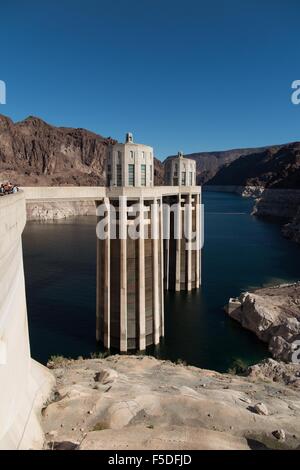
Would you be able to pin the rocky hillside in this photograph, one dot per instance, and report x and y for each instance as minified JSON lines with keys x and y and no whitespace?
{"x":292,"y":229}
{"x":139,"y":402}
{"x":33,"y":152}
{"x":276,"y":167}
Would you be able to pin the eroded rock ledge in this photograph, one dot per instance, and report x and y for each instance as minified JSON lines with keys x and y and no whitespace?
{"x":139,"y":402}
{"x":273,"y":314}
{"x":48,"y":211}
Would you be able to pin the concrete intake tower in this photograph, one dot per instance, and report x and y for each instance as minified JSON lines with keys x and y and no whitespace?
{"x":149,"y":240}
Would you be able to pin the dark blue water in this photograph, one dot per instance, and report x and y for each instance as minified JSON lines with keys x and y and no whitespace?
{"x":240,"y":252}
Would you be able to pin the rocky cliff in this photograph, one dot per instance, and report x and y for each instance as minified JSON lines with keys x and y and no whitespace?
{"x":34,"y":153}
{"x":139,"y":402}
{"x":292,"y":229}
{"x":276,"y":167}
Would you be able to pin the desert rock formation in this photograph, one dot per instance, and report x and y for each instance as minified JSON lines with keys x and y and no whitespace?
{"x":139,"y":402}
{"x":273,"y":314}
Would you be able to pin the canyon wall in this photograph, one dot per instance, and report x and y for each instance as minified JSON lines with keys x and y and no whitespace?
{"x":278,"y":203}
{"x":24,"y":383}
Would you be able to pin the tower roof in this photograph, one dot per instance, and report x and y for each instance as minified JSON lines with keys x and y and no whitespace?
{"x":129,"y":138}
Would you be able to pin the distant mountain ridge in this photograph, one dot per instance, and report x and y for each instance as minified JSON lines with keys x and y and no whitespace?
{"x":276,"y":167}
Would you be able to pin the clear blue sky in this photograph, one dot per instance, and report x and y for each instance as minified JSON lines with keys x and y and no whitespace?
{"x":185,"y":75}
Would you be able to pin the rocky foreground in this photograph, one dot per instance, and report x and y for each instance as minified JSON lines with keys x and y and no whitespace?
{"x":273,"y":314}
{"x":139,"y":402}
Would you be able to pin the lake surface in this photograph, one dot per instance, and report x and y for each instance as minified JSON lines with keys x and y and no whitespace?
{"x":240,"y":252}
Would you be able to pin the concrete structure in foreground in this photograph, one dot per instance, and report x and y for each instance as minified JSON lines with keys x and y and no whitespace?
{"x":24,"y":384}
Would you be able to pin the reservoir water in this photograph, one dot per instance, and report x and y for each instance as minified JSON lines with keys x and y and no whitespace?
{"x":240,"y":252}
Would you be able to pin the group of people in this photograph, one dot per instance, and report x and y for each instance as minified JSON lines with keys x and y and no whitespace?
{"x":8,"y":188}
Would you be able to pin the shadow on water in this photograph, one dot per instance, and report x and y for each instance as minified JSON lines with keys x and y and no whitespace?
{"x":240,"y":252}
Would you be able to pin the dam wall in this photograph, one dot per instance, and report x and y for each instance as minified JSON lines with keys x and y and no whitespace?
{"x":51,"y":203}
{"x":24,"y":384}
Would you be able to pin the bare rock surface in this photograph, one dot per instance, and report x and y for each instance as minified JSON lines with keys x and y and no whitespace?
{"x":137,"y":402}
{"x":292,"y":229}
{"x":281,"y":204}
{"x":45,"y":211}
{"x":273,"y":314}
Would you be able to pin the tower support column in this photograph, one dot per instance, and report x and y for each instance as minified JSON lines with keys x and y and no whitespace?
{"x":198,"y":235}
{"x":189,"y":242}
{"x":178,"y":222}
{"x":161,"y":241}
{"x":141,"y":281}
{"x":105,"y":244}
{"x":98,"y":294}
{"x":155,"y":223}
{"x":123,"y":272}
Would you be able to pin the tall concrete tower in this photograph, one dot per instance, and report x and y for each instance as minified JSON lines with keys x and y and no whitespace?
{"x":182,"y":253}
{"x":134,"y":262}
{"x":130,"y":269}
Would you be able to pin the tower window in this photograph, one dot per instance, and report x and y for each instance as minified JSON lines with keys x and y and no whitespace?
{"x":183,"y":178}
{"x":119,"y":175}
{"x":143,"y":175}
{"x":191,"y":178}
{"x":131,"y":154}
{"x":131,"y":179}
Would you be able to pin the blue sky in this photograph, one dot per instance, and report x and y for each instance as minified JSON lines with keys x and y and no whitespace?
{"x":186,"y":75}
